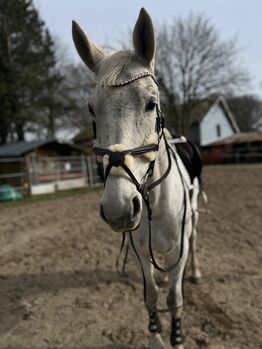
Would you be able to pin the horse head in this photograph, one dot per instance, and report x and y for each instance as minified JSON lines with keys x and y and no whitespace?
{"x":124,"y":107}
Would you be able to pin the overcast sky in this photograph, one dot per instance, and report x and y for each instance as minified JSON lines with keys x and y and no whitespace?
{"x":107,"y":22}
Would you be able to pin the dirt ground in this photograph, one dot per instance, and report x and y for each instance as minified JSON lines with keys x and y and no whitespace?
{"x":59,"y":288}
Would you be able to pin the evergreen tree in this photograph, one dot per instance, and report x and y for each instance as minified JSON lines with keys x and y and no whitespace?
{"x":28,"y":78}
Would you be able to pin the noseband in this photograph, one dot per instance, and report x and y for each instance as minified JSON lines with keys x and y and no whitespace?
{"x":117,"y":159}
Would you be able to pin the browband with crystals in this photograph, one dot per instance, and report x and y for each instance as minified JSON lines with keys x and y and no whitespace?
{"x":134,"y":78}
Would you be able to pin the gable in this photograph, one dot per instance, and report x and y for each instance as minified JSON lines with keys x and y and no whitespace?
{"x":202,"y":108}
{"x":215,"y":125}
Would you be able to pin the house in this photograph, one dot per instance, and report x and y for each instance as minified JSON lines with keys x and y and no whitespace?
{"x":212,"y":120}
{"x":42,"y":166}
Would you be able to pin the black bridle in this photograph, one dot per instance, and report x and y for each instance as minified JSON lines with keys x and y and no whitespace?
{"x":116,"y":159}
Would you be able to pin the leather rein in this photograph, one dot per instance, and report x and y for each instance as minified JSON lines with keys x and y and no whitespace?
{"x":116,"y":159}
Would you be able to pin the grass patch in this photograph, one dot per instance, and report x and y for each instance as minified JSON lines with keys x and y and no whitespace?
{"x":31,"y":199}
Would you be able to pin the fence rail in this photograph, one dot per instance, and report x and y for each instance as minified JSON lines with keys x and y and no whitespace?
{"x":215,"y":155}
{"x":252,"y":155}
{"x":12,"y":175}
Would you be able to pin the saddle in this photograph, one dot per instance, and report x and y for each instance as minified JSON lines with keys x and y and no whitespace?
{"x":191,"y":158}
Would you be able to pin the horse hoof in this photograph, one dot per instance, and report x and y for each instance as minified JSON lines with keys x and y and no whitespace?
{"x":195,"y":280}
{"x":156,"y":342}
{"x":196,"y":276}
{"x":179,"y":346}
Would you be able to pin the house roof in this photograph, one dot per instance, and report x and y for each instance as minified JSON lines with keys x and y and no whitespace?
{"x":22,"y":147}
{"x":241,"y":137}
{"x":201,"y":109}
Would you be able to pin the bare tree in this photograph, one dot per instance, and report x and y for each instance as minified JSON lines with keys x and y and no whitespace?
{"x":192,"y":64}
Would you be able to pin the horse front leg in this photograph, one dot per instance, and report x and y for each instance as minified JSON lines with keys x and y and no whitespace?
{"x":175,"y":297}
{"x":151,"y":293}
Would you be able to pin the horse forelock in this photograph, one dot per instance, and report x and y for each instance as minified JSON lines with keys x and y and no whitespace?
{"x":117,"y":64}
{"x":112,"y":66}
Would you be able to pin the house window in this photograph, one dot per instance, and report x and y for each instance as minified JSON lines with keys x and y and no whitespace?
{"x":218,"y":127}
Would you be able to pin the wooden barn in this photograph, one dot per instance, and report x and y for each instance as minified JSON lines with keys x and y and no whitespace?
{"x":243,"y":147}
{"x":42,"y":166}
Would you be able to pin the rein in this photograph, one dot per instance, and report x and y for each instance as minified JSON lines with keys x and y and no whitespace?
{"x":117,"y":159}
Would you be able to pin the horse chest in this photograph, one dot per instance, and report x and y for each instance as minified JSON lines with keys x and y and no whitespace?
{"x":165,"y":236}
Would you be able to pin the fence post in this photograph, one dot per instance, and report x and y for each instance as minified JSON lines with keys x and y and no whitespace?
{"x":84,"y":168}
{"x":29,"y":173}
{"x":90,"y":170}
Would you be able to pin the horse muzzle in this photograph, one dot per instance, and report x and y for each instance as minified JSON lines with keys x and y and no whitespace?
{"x":122,"y":216}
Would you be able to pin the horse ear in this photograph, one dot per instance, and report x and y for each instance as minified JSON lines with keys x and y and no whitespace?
{"x":90,"y":53}
{"x":144,"y":38}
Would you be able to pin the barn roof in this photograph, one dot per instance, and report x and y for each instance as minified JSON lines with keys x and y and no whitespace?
{"x":22,"y":147}
{"x":241,"y":137}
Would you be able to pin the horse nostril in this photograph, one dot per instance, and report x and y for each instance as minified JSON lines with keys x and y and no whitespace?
{"x":136,"y":207}
{"x":102,"y":213}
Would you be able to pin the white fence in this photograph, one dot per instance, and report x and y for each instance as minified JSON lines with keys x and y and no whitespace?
{"x":41,"y":175}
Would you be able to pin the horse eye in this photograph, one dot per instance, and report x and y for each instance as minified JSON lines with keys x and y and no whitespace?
{"x":150,"y":106}
{"x":91,"y":110}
